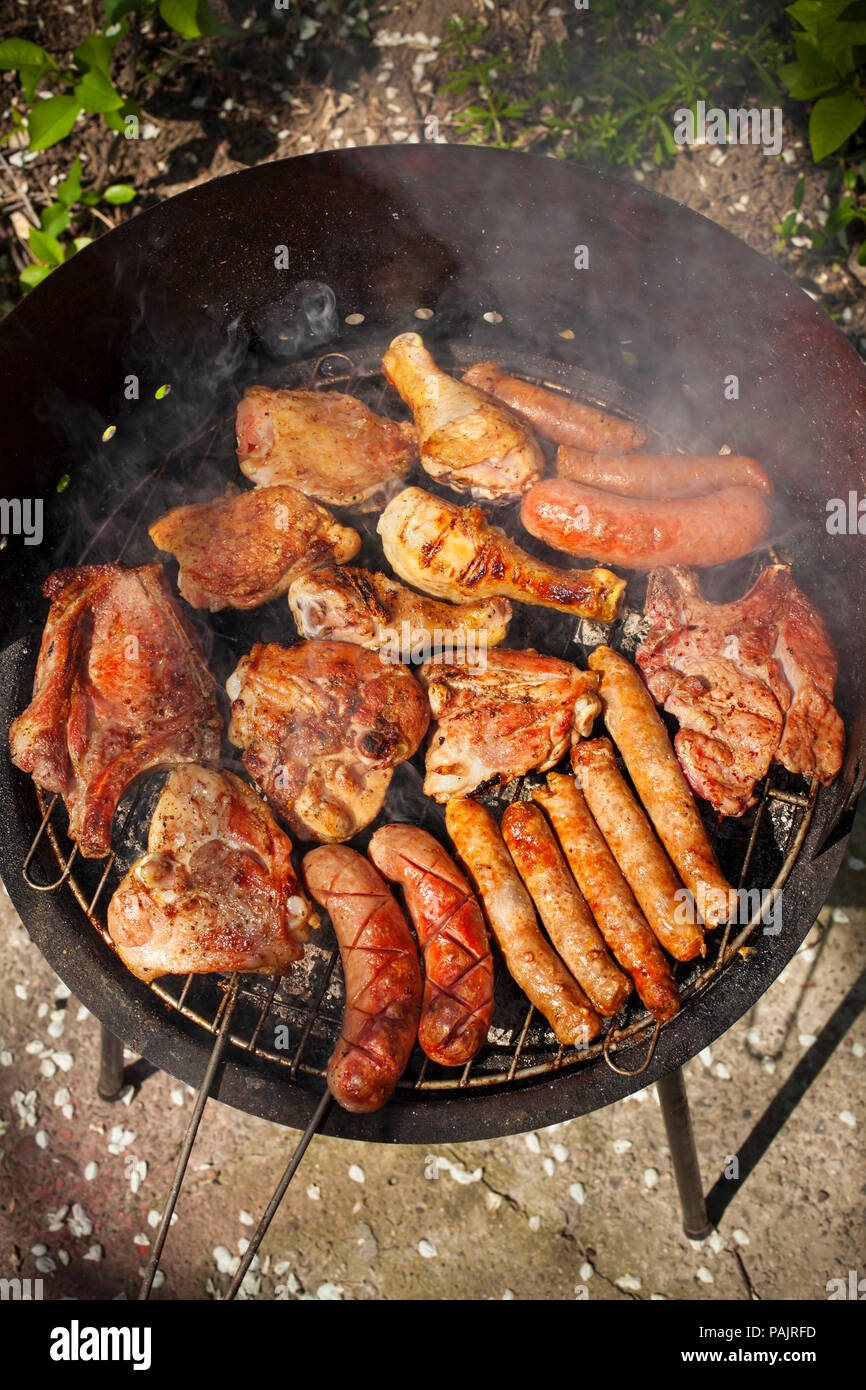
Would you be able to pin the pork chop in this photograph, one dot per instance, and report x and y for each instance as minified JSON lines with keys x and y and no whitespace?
{"x":323,"y":724}
{"x":121,"y":688}
{"x":216,"y":889}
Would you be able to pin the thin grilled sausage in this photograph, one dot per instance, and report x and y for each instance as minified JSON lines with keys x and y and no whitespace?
{"x":661,"y":475}
{"x":382,"y":974}
{"x":557,"y":417}
{"x":622,"y":924}
{"x":561,"y":907}
{"x":636,"y":727}
{"x":458,"y":967}
{"x":531,"y":961}
{"x":639,"y":534}
{"x":636,"y":849}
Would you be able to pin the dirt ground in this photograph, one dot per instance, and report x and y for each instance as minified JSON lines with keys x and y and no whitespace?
{"x":585,"y":1209}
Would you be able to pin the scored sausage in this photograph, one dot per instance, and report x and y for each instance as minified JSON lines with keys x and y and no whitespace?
{"x":637,"y":729}
{"x":561,"y":907}
{"x":660,"y":475}
{"x":560,"y":418}
{"x":382,"y":974}
{"x":531,"y":961}
{"x":621,"y":922}
{"x":458,"y":967}
{"x":635,"y":848}
{"x":639,"y":534}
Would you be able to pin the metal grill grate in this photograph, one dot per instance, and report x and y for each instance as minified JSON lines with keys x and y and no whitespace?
{"x":757,"y":852}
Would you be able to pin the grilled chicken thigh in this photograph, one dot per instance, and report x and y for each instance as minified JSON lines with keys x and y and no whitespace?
{"x":216,"y":889}
{"x":749,"y":682}
{"x":323,"y":725}
{"x":452,"y":553}
{"x":518,"y":711}
{"x":325,"y":444}
{"x":467,"y":441}
{"x":245,"y":551}
{"x":356,"y":605}
{"x":121,"y":688}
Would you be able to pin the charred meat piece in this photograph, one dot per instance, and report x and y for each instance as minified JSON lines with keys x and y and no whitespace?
{"x":121,"y":688}
{"x":499,"y":719}
{"x":323,"y":725}
{"x":356,"y":605}
{"x":216,"y":889}
{"x":749,"y":682}
{"x":246,"y":550}
{"x":555,"y":416}
{"x":469,"y":442}
{"x":453,"y":553}
{"x":325,"y":444}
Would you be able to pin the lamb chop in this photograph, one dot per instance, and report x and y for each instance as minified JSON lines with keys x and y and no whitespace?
{"x":497,"y":721}
{"x":243,"y":551}
{"x":323,"y":725}
{"x":325,"y":444}
{"x":216,"y":889}
{"x":452,"y":553}
{"x":749,"y":682}
{"x":467,"y":440}
{"x":121,"y":688}
{"x":356,"y":605}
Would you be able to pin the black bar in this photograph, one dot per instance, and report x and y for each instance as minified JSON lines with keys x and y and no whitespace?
{"x":678,"y":1123}
{"x":110,"y":1083}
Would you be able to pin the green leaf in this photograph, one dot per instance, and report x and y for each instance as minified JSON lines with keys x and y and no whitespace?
{"x":799,"y":191}
{"x":811,"y":74}
{"x":96,"y":93}
{"x":30,"y":78}
{"x":90,"y":198}
{"x":33,"y":275}
{"x":45,"y":248}
{"x":861,"y":254}
{"x":832,"y":120}
{"x":21,"y":53}
{"x":79,"y":242}
{"x":54,"y":219}
{"x":63,"y":483}
{"x":94,"y":53}
{"x":69,"y":191}
{"x":119,"y":193}
{"x":850,"y":179}
{"x":181,"y":16}
{"x":51,"y":120}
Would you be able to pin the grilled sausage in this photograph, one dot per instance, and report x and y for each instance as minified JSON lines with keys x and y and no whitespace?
{"x":557,"y":417}
{"x":458,"y":988}
{"x":382,"y":974}
{"x":636,"y":849}
{"x":561,"y":907}
{"x":622,"y":924}
{"x":636,"y":727}
{"x":660,"y":475}
{"x":638,"y":534}
{"x":531,"y":961}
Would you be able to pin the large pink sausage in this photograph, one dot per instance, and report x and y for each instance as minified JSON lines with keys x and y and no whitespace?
{"x":640,"y":534}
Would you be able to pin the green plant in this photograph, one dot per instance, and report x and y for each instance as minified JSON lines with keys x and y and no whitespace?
{"x":482,"y":122}
{"x":95,"y":84}
{"x":611,"y":97}
{"x":607,"y":95}
{"x":830,"y":40}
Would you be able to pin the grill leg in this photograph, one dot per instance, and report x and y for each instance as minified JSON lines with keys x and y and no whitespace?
{"x":110,"y":1084}
{"x":678,"y":1123}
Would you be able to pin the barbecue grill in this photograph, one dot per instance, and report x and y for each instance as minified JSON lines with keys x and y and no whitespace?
{"x":476,"y":250}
